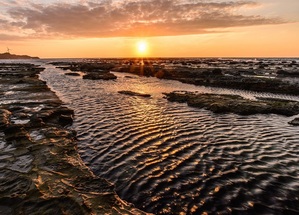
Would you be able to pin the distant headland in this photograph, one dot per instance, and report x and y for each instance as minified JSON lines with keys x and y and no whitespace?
{"x":7,"y":55}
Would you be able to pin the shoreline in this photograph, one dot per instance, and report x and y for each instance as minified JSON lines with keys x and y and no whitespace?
{"x":261,"y":76}
{"x":42,"y":170}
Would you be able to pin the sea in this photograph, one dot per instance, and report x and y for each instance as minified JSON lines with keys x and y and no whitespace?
{"x":169,"y":158}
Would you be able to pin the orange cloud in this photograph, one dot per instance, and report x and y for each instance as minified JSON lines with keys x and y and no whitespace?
{"x":139,"y":18}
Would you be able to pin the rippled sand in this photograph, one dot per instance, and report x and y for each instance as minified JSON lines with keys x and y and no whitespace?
{"x":168,"y":158}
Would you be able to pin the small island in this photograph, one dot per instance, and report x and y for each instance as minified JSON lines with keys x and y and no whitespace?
{"x":7,"y":55}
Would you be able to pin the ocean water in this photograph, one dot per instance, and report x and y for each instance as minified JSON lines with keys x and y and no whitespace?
{"x":168,"y":158}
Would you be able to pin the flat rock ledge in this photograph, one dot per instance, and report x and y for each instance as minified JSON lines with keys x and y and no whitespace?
{"x":132,"y":93}
{"x":235,"y":104}
{"x":100,"y":75}
{"x":41,"y":171}
{"x":72,"y":74}
{"x":93,"y":71}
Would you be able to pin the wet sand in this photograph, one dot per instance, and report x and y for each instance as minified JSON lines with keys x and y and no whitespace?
{"x":41,"y":170}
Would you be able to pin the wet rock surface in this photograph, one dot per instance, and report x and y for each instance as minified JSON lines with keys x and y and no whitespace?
{"x":40,"y":169}
{"x":72,"y":74}
{"x":294,"y":122}
{"x":216,"y":77}
{"x":99,"y":76}
{"x":235,"y":104}
{"x":259,"y":76}
{"x":93,"y":71}
{"x":131,"y":93}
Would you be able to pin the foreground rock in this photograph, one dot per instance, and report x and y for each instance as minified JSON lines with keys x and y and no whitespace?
{"x":235,"y":104}
{"x":295,"y":122}
{"x":100,"y":76}
{"x":41,"y":170}
{"x":131,"y":93}
{"x":72,"y":74}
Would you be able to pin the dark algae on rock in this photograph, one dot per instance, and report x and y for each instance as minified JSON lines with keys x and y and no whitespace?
{"x":41,"y":171}
{"x":131,"y":93}
{"x":93,"y":71}
{"x":235,"y":104}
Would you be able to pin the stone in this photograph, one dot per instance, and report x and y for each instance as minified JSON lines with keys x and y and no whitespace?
{"x":72,"y":74}
{"x":294,"y":122}
{"x":65,"y":119}
{"x":235,"y":104}
{"x":100,"y":76}
{"x":42,"y":172}
{"x":131,"y":93}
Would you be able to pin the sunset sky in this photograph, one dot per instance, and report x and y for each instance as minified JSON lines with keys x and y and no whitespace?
{"x":171,"y":28}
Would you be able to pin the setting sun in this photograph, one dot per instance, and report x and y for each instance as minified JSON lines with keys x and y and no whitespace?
{"x":142,"y":47}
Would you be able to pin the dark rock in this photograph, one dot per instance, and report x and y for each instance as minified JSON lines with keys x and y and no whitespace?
{"x":226,"y":78}
{"x":72,"y":74}
{"x":61,"y":115}
{"x":14,"y":129}
{"x":235,"y":104}
{"x":217,"y":71}
{"x":16,"y":132}
{"x":65,"y":119}
{"x":127,"y":76}
{"x":41,"y":170}
{"x":131,"y":93}
{"x":100,"y":76}
{"x":288,"y":73}
{"x":13,"y":184}
{"x":36,"y":121}
{"x":294,"y":122}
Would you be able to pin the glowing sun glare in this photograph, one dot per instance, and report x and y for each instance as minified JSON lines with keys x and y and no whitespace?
{"x":142,"y":47}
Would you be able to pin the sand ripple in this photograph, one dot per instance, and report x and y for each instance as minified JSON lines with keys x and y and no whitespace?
{"x":168,"y":158}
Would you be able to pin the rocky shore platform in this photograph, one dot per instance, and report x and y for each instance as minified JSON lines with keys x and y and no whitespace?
{"x":251,"y":80}
{"x":235,"y":104}
{"x":41,"y":171}
{"x":92,"y":71}
{"x":255,"y":78}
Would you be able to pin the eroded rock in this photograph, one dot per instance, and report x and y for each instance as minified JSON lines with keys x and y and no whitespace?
{"x":72,"y":74}
{"x":235,"y":104}
{"x":294,"y":122}
{"x":41,"y":170}
{"x":100,"y":76}
{"x":131,"y":93}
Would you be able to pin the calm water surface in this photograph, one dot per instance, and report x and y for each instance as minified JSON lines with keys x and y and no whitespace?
{"x":168,"y":158}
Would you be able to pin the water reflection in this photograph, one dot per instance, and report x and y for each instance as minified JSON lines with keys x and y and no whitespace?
{"x":168,"y":158}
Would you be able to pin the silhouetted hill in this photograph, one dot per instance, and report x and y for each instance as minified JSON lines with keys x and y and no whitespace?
{"x":13,"y":56}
